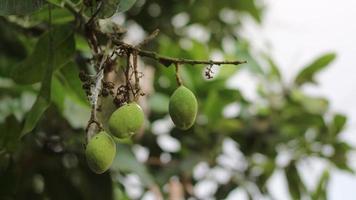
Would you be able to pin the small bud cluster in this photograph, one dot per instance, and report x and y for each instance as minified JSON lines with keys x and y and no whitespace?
{"x":87,"y":82}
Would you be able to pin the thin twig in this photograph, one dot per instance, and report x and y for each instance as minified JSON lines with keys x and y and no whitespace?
{"x":127,"y":76}
{"x":100,"y":5}
{"x":167,"y":61}
{"x":179,"y":80}
{"x":137,"y":79}
{"x":170,"y":60}
{"x":149,"y":38}
{"x":93,"y":125}
{"x":71,"y":7}
{"x":176,"y":190}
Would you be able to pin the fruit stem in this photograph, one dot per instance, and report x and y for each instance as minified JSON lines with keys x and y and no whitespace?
{"x":178,"y":79}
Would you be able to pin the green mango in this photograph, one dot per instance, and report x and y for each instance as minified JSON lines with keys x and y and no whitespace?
{"x":126,"y":120}
{"x":183,"y":108}
{"x":100,"y":152}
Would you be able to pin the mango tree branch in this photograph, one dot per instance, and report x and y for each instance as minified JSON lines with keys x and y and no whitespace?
{"x":167,"y":61}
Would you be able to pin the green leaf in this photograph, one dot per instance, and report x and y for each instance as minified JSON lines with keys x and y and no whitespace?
{"x":12,"y":48}
{"x":56,"y":2}
{"x":48,"y":63}
{"x":69,"y":97}
{"x":338,"y":123}
{"x":159,"y":102}
{"x":340,"y":157}
{"x":295,"y":183}
{"x":126,"y":161}
{"x":118,"y":193}
{"x":125,"y":5}
{"x":69,"y":75}
{"x":320,"y":192}
{"x":226,"y":72}
{"x":243,"y":53}
{"x":274,"y":72}
{"x":20,"y":7}
{"x":315,"y":105}
{"x":58,"y":93}
{"x":33,"y":68}
{"x":40,"y":106}
{"x":251,"y":7}
{"x":308,"y":72}
{"x":215,"y":102}
{"x":268,"y":170}
{"x":228,"y":126}
{"x":59,"y":16}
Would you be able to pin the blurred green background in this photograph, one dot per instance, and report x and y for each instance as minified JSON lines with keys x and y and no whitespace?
{"x":237,"y":142}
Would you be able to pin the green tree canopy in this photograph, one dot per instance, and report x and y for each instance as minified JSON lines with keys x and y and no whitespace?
{"x":66,"y":65}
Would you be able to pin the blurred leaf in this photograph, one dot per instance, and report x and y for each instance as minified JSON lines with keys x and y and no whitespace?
{"x":15,"y":90}
{"x":340,"y":157}
{"x":58,"y":93}
{"x":125,"y":5}
{"x":12,"y":49}
{"x":217,"y":100}
{"x":295,"y":183}
{"x":48,"y":64}
{"x":268,"y":170}
{"x":251,"y":7}
{"x":39,"y":107}
{"x":243,"y":53}
{"x":69,"y":75}
{"x":56,"y":2}
{"x":33,"y":68}
{"x":274,"y":72}
{"x":59,"y":16}
{"x":158,"y":102}
{"x":338,"y":123}
{"x":226,"y":71}
{"x":19,"y":7}
{"x":315,"y":105}
{"x":119,"y":193}
{"x":81,"y":44}
{"x":213,"y":106}
{"x":197,"y":51}
{"x":125,"y":161}
{"x":185,"y":165}
{"x":69,"y":98}
{"x":228,"y":126}
{"x":320,"y":192}
{"x":308,"y":72}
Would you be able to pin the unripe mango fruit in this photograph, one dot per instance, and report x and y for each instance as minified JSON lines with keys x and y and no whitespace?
{"x":183,"y":108}
{"x":126,"y":120}
{"x":100,"y":152}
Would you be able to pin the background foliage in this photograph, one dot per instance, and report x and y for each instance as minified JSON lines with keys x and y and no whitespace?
{"x":47,"y":102}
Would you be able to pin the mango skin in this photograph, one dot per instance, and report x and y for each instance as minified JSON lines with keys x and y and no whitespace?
{"x":183,"y":108}
{"x":126,"y":120}
{"x":100,"y":152}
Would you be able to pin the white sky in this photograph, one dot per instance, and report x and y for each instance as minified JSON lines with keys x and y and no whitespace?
{"x":299,"y":31}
